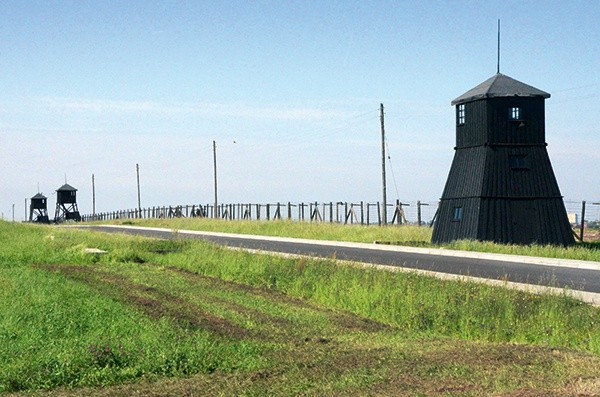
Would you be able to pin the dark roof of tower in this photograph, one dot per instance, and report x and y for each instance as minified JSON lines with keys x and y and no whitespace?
{"x":38,"y":196}
{"x":66,"y":188}
{"x":500,"y":85}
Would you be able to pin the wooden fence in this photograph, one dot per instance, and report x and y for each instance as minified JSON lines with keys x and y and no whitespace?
{"x":417,"y":213}
{"x":334,"y":212}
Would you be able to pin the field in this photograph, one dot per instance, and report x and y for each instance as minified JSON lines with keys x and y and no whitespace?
{"x":176,"y":318}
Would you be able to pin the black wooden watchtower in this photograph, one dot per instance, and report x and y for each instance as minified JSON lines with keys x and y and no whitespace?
{"x":38,"y":209}
{"x":501,"y":186}
{"x":66,"y":204}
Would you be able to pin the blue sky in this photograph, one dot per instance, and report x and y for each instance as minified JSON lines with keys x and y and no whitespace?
{"x":289,"y":91}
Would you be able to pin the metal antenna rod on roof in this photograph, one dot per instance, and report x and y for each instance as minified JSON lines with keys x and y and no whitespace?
{"x":498,"y":65}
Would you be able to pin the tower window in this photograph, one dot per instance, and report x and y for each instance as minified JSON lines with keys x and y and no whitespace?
{"x":457,"y":214}
{"x":519,"y":162}
{"x":460,"y":114}
{"x":515,"y":113}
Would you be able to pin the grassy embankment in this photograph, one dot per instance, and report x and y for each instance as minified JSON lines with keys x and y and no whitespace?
{"x":192,"y":318}
{"x":401,"y":235}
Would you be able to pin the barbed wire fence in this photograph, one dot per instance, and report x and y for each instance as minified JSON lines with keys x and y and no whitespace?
{"x":584,"y":216}
{"x":413,"y":212}
{"x":361,"y":213}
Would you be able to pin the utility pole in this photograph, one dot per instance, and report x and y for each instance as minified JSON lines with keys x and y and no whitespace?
{"x":137,"y":168}
{"x":216,"y":210}
{"x":25,"y":219}
{"x":383,"y":180}
{"x":13,"y":208}
{"x":94,"y":195}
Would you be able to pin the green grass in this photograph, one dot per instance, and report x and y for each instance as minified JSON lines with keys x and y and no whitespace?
{"x":57,"y":332}
{"x":413,"y":303}
{"x":401,"y":235}
{"x":221,"y":322}
{"x":321,"y":231}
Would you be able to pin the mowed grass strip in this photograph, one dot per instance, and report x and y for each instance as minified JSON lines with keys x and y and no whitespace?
{"x":56,"y":331}
{"x":188,"y":318}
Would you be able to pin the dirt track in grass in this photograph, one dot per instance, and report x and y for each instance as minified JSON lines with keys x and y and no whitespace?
{"x":224,"y":297}
{"x":315,"y":351}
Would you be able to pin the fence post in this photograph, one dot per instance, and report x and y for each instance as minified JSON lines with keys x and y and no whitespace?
{"x":362,"y":214}
{"x":345,"y":213}
{"x":420,"y":219}
{"x":582,"y":220}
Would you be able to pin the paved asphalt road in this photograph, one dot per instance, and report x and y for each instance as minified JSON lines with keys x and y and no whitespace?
{"x":579,"y":276}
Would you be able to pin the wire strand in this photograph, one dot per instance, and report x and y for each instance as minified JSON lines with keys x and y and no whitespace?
{"x":392,"y":168}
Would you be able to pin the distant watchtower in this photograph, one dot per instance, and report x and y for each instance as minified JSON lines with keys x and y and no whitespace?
{"x":66,"y":204}
{"x":501,"y":186}
{"x":38,"y":209}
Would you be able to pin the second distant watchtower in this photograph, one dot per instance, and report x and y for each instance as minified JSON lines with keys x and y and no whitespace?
{"x":66,"y":204}
{"x":38,"y":209}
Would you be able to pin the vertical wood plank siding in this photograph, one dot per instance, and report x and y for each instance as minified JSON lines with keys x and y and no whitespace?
{"x":502,"y":179}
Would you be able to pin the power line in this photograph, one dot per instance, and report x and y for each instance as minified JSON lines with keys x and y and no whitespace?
{"x":578,"y":87}
{"x":392,"y":169}
{"x":316,"y":133}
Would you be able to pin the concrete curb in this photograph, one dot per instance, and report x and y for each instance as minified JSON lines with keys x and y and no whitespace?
{"x":533,"y":260}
